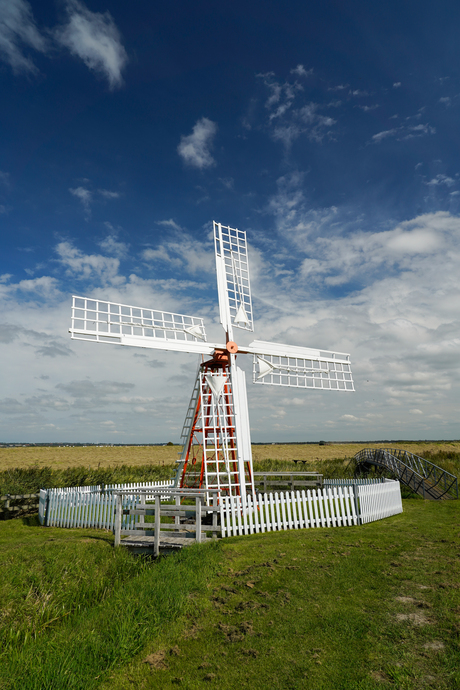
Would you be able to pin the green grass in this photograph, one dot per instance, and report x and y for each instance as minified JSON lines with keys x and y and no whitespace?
{"x":354,"y":608}
{"x":363,"y":607}
{"x":73,"y":608}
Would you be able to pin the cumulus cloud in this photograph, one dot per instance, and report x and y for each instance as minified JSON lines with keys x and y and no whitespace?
{"x":89,"y":266}
{"x":195,"y":148}
{"x":113,"y":246}
{"x":44,"y":287}
{"x":441,"y":180}
{"x":397,"y":312}
{"x":95,"y":39}
{"x":18,"y":32}
{"x":182,"y":251}
{"x":169,"y":224}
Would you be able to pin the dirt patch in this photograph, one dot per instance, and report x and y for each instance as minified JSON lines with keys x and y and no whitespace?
{"x":157,"y":661}
{"x":414,"y":602}
{"x":449,"y":585}
{"x":414,"y":618}
{"x":434,"y":645}
{"x":250,"y":652}
{"x":192,"y":632}
{"x":379,"y":676}
{"x":407,"y":600}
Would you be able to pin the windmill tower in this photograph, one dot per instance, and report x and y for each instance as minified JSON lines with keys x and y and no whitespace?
{"x":216,"y":438}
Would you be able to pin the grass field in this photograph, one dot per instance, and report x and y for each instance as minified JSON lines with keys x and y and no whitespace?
{"x":93,"y":456}
{"x":362,"y":608}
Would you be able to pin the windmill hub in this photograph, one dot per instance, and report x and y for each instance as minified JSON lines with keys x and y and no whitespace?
{"x":216,"y":427}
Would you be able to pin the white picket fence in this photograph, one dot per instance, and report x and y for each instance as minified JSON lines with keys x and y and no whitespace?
{"x":333,"y":506}
{"x":378,"y":501}
{"x":329,"y":507}
{"x":91,"y":506}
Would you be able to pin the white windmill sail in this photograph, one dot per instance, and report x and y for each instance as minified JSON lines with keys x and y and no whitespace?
{"x":243,"y":432}
{"x":233,"y":282}
{"x":121,"y":324}
{"x":300,"y":367}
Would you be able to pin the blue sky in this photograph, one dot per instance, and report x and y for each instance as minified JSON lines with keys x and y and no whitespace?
{"x":328,"y":131}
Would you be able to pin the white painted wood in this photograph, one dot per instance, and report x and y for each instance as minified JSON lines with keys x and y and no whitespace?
{"x":333,"y":506}
{"x":284,"y":524}
{"x":251,"y":513}
{"x":156,"y":547}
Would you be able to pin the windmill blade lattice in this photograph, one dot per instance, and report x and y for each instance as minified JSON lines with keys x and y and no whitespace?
{"x":299,"y":367}
{"x":121,"y":324}
{"x":233,"y":278}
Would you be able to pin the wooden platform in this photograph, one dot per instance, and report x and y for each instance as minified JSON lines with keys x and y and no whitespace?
{"x":167,"y":544}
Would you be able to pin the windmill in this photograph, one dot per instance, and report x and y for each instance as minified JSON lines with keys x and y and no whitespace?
{"x":216,"y":440}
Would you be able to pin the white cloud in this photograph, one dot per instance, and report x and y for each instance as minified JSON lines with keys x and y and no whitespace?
{"x":107,"y":194}
{"x":85,"y":196}
{"x":300,"y":71}
{"x":440,"y":180}
{"x":195,"y":148}
{"x":183,"y":252}
{"x":228,"y":182}
{"x":446,"y":100}
{"x":368,"y":108}
{"x":403,"y":133}
{"x":89,"y":266}
{"x":169,"y":224}
{"x":287,"y":123}
{"x":18,"y":31}
{"x":44,"y":287}
{"x":397,"y":84}
{"x":113,"y":246}
{"x":384,"y":135}
{"x":94,"y":37}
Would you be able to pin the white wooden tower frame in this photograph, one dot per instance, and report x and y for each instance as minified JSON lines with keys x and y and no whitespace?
{"x":216,"y":436}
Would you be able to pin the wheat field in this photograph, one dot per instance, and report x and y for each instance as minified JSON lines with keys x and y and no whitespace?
{"x":94,"y":456}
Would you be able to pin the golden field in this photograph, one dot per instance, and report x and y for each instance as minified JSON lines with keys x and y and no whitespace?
{"x":93,"y":456}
